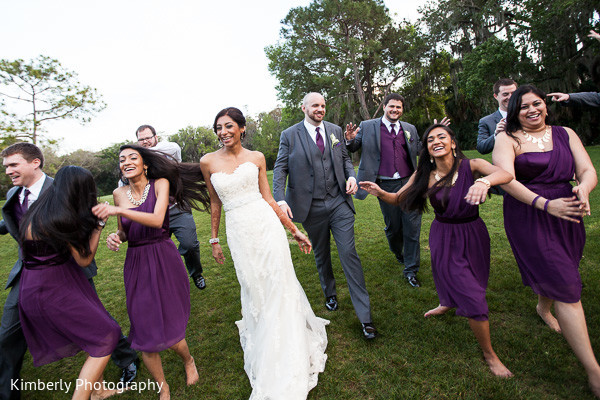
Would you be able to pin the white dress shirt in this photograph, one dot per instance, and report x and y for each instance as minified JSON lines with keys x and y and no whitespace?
{"x":34,"y":191}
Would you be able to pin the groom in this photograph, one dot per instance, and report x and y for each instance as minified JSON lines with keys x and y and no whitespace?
{"x":320,"y":182}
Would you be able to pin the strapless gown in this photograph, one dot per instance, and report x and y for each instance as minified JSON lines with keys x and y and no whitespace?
{"x":283,"y":341}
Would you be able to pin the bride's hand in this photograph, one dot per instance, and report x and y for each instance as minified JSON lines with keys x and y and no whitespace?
{"x":303,"y":241}
{"x":217,"y":253}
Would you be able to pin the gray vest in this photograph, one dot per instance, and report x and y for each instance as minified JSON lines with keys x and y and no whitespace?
{"x":326,"y":186}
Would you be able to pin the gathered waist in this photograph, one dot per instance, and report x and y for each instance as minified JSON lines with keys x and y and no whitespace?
{"x":242,"y":201}
{"x":143,"y":242}
{"x":46,"y":262}
{"x":465,"y":220}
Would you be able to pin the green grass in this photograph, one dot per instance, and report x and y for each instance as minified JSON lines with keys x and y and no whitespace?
{"x":413,"y":358}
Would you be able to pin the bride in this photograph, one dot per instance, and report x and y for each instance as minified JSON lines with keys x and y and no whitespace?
{"x":283,"y":341}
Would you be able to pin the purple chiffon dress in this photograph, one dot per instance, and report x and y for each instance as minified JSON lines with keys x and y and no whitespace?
{"x":547,"y":248}
{"x":156,"y":284}
{"x":460,"y":249}
{"x":59,"y":310}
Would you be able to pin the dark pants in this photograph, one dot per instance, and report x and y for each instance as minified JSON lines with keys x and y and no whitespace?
{"x":13,"y":346}
{"x":402,"y":229}
{"x":182,"y":225}
{"x":335,"y":217}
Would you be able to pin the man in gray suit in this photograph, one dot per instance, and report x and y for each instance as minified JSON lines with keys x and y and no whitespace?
{"x":491,"y":125}
{"x":320,"y":182}
{"x":389,"y":157}
{"x":590,"y":99}
{"x":24,"y":163}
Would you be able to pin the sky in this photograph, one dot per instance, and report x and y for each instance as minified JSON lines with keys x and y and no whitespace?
{"x":169,"y":64}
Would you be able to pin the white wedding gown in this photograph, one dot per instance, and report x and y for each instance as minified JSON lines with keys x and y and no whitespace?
{"x":283,"y":341}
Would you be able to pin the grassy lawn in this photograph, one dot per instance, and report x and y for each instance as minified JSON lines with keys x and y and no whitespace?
{"x":413,"y":358}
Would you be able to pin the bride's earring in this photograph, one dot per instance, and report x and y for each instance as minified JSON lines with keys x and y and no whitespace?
{"x":431,"y":159}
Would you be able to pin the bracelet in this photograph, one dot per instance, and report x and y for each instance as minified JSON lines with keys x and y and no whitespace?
{"x":534,"y":200}
{"x":546,"y":205}
{"x":484,"y":181}
{"x":213,"y":240}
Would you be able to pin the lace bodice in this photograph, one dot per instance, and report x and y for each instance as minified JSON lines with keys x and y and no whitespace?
{"x":238,"y":188}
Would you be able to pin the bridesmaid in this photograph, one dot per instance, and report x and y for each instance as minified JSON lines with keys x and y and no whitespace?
{"x":59,"y":310}
{"x":543,"y":215}
{"x":458,"y":238}
{"x":156,"y":283}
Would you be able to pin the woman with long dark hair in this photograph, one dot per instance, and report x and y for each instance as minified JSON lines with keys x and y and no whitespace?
{"x":543,"y":215}
{"x":59,"y":310}
{"x":283,"y":341}
{"x":156,"y":283}
{"x":458,"y":238}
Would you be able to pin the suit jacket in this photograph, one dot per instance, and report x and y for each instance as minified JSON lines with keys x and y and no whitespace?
{"x":9,"y":225}
{"x":486,"y":129}
{"x":369,"y":138}
{"x":591,"y":99}
{"x":294,"y":162}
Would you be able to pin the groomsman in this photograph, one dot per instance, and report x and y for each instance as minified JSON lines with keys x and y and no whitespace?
{"x":590,"y":99}
{"x":491,"y":125}
{"x":320,"y":182}
{"x":181,"y":223}
{"x":24,"y":163}
{"x":389,"y":157}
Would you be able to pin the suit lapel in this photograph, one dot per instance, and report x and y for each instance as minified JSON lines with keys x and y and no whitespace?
{"x":304,"y":141}
{"x":8,"y":211}
{"x":378,"y":133}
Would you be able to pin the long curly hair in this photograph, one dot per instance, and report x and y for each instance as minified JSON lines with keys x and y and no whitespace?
{"x":62,"y":215}
{"x":415,"y":197}
{"x":186,"y":184}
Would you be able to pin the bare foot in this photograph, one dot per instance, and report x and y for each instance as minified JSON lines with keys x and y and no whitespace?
{"x":594,"y":382}
{"x":549,"y":319}
{"x":191,"y":372}
{"x":496,"y":366}
{"x":165,"y":393}
{"x":104,"y":394}
{"x":439,"y":310}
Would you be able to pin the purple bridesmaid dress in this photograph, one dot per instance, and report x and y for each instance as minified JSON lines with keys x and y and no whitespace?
{"x":547,"y":248}
{"x":60,"y":312}
{"x":460,"y":249}
{"x":156,"y":284}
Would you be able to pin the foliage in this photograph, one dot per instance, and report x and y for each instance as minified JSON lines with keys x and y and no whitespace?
{"x":106,"y":170}
{"x":263,"y":135}
{"x":41,"y":90}
{"x":351,"y":51}
{"x":195,"y":142}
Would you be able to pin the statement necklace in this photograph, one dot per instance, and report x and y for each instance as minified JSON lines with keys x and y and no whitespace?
{"x":439,"y":178}
{"x":142,"y":199}
{"x":540,"y":141}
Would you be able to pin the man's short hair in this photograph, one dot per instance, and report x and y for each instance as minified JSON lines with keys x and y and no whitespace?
{"x":143,"y":128}
{"x":29,"y":152}
{"x":503,"y":82}
{"x":393,"y":96}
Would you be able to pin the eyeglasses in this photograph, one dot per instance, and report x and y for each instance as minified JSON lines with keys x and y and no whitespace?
{"x":141,"y":140}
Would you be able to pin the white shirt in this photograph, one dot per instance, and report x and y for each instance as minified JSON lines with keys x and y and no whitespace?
{"x":312,"y":131}
{"x":34,"y":190}
{"x":388,"y":124}
{"x":171,"y":149}
{"x":504,"y":113}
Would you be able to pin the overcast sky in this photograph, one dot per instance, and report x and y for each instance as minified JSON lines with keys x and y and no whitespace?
{"x":169,"y":64}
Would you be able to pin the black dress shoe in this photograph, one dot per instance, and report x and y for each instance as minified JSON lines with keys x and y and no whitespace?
{"x":413,"y":281}
{"x":369,"y":331}
{"x":199,"y":282}
{"x":129,"y":373}
{"x":331,"y":304}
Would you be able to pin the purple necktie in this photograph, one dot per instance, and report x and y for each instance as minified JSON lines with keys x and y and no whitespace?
{"x":320,"y":143}
{"x":25,"y":203}
{"x":393,"y":131}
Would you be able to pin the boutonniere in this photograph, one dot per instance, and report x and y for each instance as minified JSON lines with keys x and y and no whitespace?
{"x":407,"y":136}
{"x":334,"y":141}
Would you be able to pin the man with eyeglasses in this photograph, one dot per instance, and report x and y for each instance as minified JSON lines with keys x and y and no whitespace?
{"x":181,"y":223}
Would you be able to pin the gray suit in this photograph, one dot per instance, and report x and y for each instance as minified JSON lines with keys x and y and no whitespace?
{"x":12,"y":341}
{"x":316,"y":194}
{"x":486,"y":138}
{"x":591,"y":99}
{"x":402,"y":228}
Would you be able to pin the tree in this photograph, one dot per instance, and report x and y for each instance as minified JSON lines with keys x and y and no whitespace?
{"x":264,"y":134}
{"x":47,"y":91}
{"x":349,"y":50}
{"x":195,"y":142}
